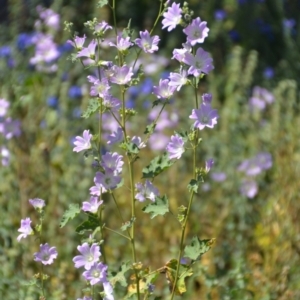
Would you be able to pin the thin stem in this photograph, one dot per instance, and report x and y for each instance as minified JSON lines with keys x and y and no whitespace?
{"x":116,"y":232}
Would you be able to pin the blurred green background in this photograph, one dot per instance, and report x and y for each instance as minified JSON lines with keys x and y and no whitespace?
{"x":257,"y":249}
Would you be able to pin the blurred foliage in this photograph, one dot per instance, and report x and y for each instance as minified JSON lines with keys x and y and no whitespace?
{"x":257,"y":248}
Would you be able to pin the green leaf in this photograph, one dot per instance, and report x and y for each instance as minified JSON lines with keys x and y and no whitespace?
{"x":181,"y":214}
{"x":128,"y":224}
{"x":89,"y":225}
{"x":157,"y":166}
{"x":185,"y":272}
{"x":102,"y":3}
{"x":193,"y":186}
{"x":131,"y":148}
{"x":93,"y":107}
{"x":69,"y":214}
{"x":159,"y":207}
{"x":30,"y":282}
{"x":150,"y":128}
{"x":197,"y":248}
{"x":120,"y":276}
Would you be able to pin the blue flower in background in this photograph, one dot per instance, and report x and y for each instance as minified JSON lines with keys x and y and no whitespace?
{"x":220,"y":15}
{"x":75,"y":92}
{"x":234,"y":35}
{"x":268,"y":73}
{"x":52,"y":101}
{"x":24,"y":40}
{"x":5,"y":51}
{"x":146,"y":87}
{"x":66,"y":47}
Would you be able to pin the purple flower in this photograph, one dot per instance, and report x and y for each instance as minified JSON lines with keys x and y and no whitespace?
{"x":206,"y":98}
{"x":177,"y":80}
{"x":89,"y":51}
{"x":101,"y":28}
{"x":83,"y":143}
{"x":172,"y":17}
{"x":208,"y":165}
{"x":218,"y":176}
{"x":268,"y":73}
{"x":147,"y":43}
{"x":49,"y":17}
{"x":179,"y":54}
{"x":138,"y":142}
{"x":4,"y":105}
{"x":107,"y":181}
{"x":85,"y":298}
{"x":121,"y":75}
{"x":200,"y":63}
{"x":260,"y":98}
{"x":249,"y":188}
{"x":158,"y":141}
{"x":78,"y":42}
{"x":250,"y":167}
{"x":75,"y":92}
{"x":122,"y":43}
{"x":37,"y":203}
{"x":115,"y":137}
{"x":91,"y":206}
{"x":89,"y":256}
{"x":100,"y":87}
{"x":5,"y":156}
{"x":112,"y":162}
{"x":46,"y":255}
{"x":146,"y":191}
{"x":25,"y":229}
{"x":205,"y":116}
{"x":175,"y":148}
{"x":96,"y":274}
{"x":264,"y":160}
{"x":10,"y":128}
{"x":196,"y":32}
{"x":164,"y":90}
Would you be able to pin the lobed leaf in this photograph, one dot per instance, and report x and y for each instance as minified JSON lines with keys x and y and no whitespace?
{"x":69,"y":214}
{"x":157,"y":166}
{"x":197,"y":248}
{"x":159,"y":207}
{"x":93,"y":107}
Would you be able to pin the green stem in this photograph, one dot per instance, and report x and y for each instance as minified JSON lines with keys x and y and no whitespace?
{"x":116,"y":232}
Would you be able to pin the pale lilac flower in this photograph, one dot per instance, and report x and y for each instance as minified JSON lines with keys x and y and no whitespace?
{"x":208,"y":165}
{"x":177,"y":80}
{"x":172,"y":17}
{"x":175,"y":147}
{"x":46,"y":50}
{"x":147,"y":43}
{"x":111,"y":102}
{"x":122,"y":43}
{"x":264,"y":160}
{"x":5,"y":156}
{"x":89,"y":51}
{"x":91,"y":206}
{"x":46,"y":255}
{"x":260,"y":98}
{"x":205,"y":116}
{"x":167,"y":119}
{"x":25,"y":229}
{"x":4,"y":105}
{"x":250,"y":167}
{"x":85,"y":298}
{"x":10,"y":128}
{"x":112,"y":162}
{"x":108,"y":290}
{"x":200,"y":63}
{"x":179,"y":54}
{"x":78,"y":42}
{"x":89,"y":256}
{"x":49,"y":17}
{"x":115,"y":137}
{"x":84,"y":142}
{"x":37,"y":203}
{"x":196,"y":32}
{"x":98,"y":189}
{"x":206,"y":98}
{"x":102,"y":27}
{"x":108,"y":180}
{"x":158,"y":141}
{"x":218,"y":176}
{"x":100,"y":87}
{"x":164,"y":90}
{"x":249,"y":188}
{"x":146,"y":191}
{"x":138,"y":141}
{"x":121,"y":75}
{"x":96,"y":274}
